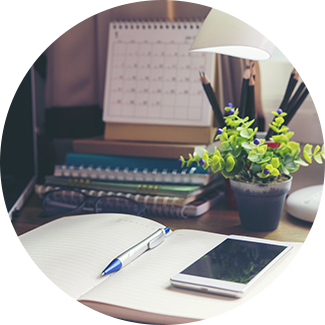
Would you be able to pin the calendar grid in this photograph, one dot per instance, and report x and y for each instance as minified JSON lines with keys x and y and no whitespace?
{"x":155,"y":80}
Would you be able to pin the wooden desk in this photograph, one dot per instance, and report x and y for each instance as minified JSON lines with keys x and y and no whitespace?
{"x":308,"y":307}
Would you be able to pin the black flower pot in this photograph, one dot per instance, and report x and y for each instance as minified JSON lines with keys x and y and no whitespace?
{"x":260,"y":205}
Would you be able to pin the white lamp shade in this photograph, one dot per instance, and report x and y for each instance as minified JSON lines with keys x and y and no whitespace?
{"x":225,"y":34}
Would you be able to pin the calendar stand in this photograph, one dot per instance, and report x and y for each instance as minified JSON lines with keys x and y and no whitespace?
{"x":159,"y":133}
{"x":153,"y":90}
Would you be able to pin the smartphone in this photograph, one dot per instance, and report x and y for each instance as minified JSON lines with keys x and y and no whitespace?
{"x":232,"y":267}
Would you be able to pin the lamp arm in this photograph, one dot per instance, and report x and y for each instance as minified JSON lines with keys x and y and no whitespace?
{"x":304,"y":18}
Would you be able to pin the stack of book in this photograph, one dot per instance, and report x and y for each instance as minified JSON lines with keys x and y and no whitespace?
{"x":160,"y":183}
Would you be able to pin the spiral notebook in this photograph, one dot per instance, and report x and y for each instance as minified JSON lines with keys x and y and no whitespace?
{"x":151,"y":78}
{"x":132,"y":169}
{"x":171,"y":207}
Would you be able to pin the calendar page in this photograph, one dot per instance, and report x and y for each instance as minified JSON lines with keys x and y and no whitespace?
{"x":151,"y":77}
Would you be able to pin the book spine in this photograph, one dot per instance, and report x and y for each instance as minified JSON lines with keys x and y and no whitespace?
{"x":186,"y":176}
{"x":135,"y":188}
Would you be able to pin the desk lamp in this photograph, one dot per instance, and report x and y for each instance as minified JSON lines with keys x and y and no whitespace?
{"x":224,"y":34}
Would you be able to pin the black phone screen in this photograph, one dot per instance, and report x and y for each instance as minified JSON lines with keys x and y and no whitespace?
{"x":235,"y":260}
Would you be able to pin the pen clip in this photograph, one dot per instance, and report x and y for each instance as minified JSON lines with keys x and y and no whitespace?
{"x":156,"y":241}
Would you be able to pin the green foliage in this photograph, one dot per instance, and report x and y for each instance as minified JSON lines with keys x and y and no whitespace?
{"x":241,"y":154}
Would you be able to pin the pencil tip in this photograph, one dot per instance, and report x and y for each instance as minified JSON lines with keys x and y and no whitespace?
{"x":204,"y":79}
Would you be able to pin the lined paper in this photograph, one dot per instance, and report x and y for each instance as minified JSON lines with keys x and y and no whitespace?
{"x":73,"y":251}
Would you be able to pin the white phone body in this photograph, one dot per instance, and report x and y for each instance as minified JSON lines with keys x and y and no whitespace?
{"x":198,"y":275}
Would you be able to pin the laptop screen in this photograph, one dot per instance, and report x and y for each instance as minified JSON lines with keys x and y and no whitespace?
{"x":17,"y":135}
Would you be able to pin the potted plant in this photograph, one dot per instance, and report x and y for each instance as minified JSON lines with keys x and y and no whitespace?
{"x":259,"y":174}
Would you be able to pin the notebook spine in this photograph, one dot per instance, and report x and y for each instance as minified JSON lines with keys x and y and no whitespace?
{"x":134,"y":175}
{"x":41,"y":190}
{"x":154,"y":205}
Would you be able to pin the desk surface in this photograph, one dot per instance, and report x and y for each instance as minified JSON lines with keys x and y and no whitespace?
{"x":306,"y":308}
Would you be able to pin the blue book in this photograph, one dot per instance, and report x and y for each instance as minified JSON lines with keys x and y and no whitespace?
{"x":132,"y":169}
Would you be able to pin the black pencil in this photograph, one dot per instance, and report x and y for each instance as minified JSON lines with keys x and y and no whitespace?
{"x":259,"y":115}
{"x":294,"y":77}
{"x":243,"y":97}
{"x":285,"y":105}
{"x":253,"y":68}
{"x":296,"y":106}
{"x":295,"y":97}
{"x":212,"y":99}
{"x":250,"y":101}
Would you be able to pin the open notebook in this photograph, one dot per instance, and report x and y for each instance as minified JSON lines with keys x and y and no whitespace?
{"x":63,"y":261}
{"x":17,"y":135}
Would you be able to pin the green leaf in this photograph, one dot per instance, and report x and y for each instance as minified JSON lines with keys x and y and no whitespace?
{"x":275,"y":129}
{"x":275,"y":172}
{"x":182,"y":160}
{"x":265,"y":159}
{"x":230,"y":163}
{"x":225,"y":146}
{"x":245,"y":133}
{"x":275,"y":162}
{"x":190,"y":161}
{"x":287,"y":159}
{"x":248,"y":146}
{"x":281,"y":138}
{"x":237,"y":151}
{"x":255,"y":168}
{"x":284,"y":129}
{"x":323,"y":152}
{"x":285,"y":170}
{"x":284,"y":151}
{"x":290,"y":135}
{"x":279,"y":120}
{"x":216,"y":168}
{"x":316,"y":149}
{"x":318,"y":158}
{"x":307,"y":152}
{"x":253,"y":133}
{"x":215,"y":160}
{"x":197,"y":157}
{"x":261,"y":150}
{"x":295,"y":147}
{"x":301,"y":162}
{"x":248,"y":124}
{"x":224,"y":136}
{"x":237,"y":169}
{"x":252,"y":156}
{"x":291,"y":166}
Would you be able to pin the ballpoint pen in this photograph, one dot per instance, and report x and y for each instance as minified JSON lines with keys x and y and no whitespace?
{"x":134,"y":252}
